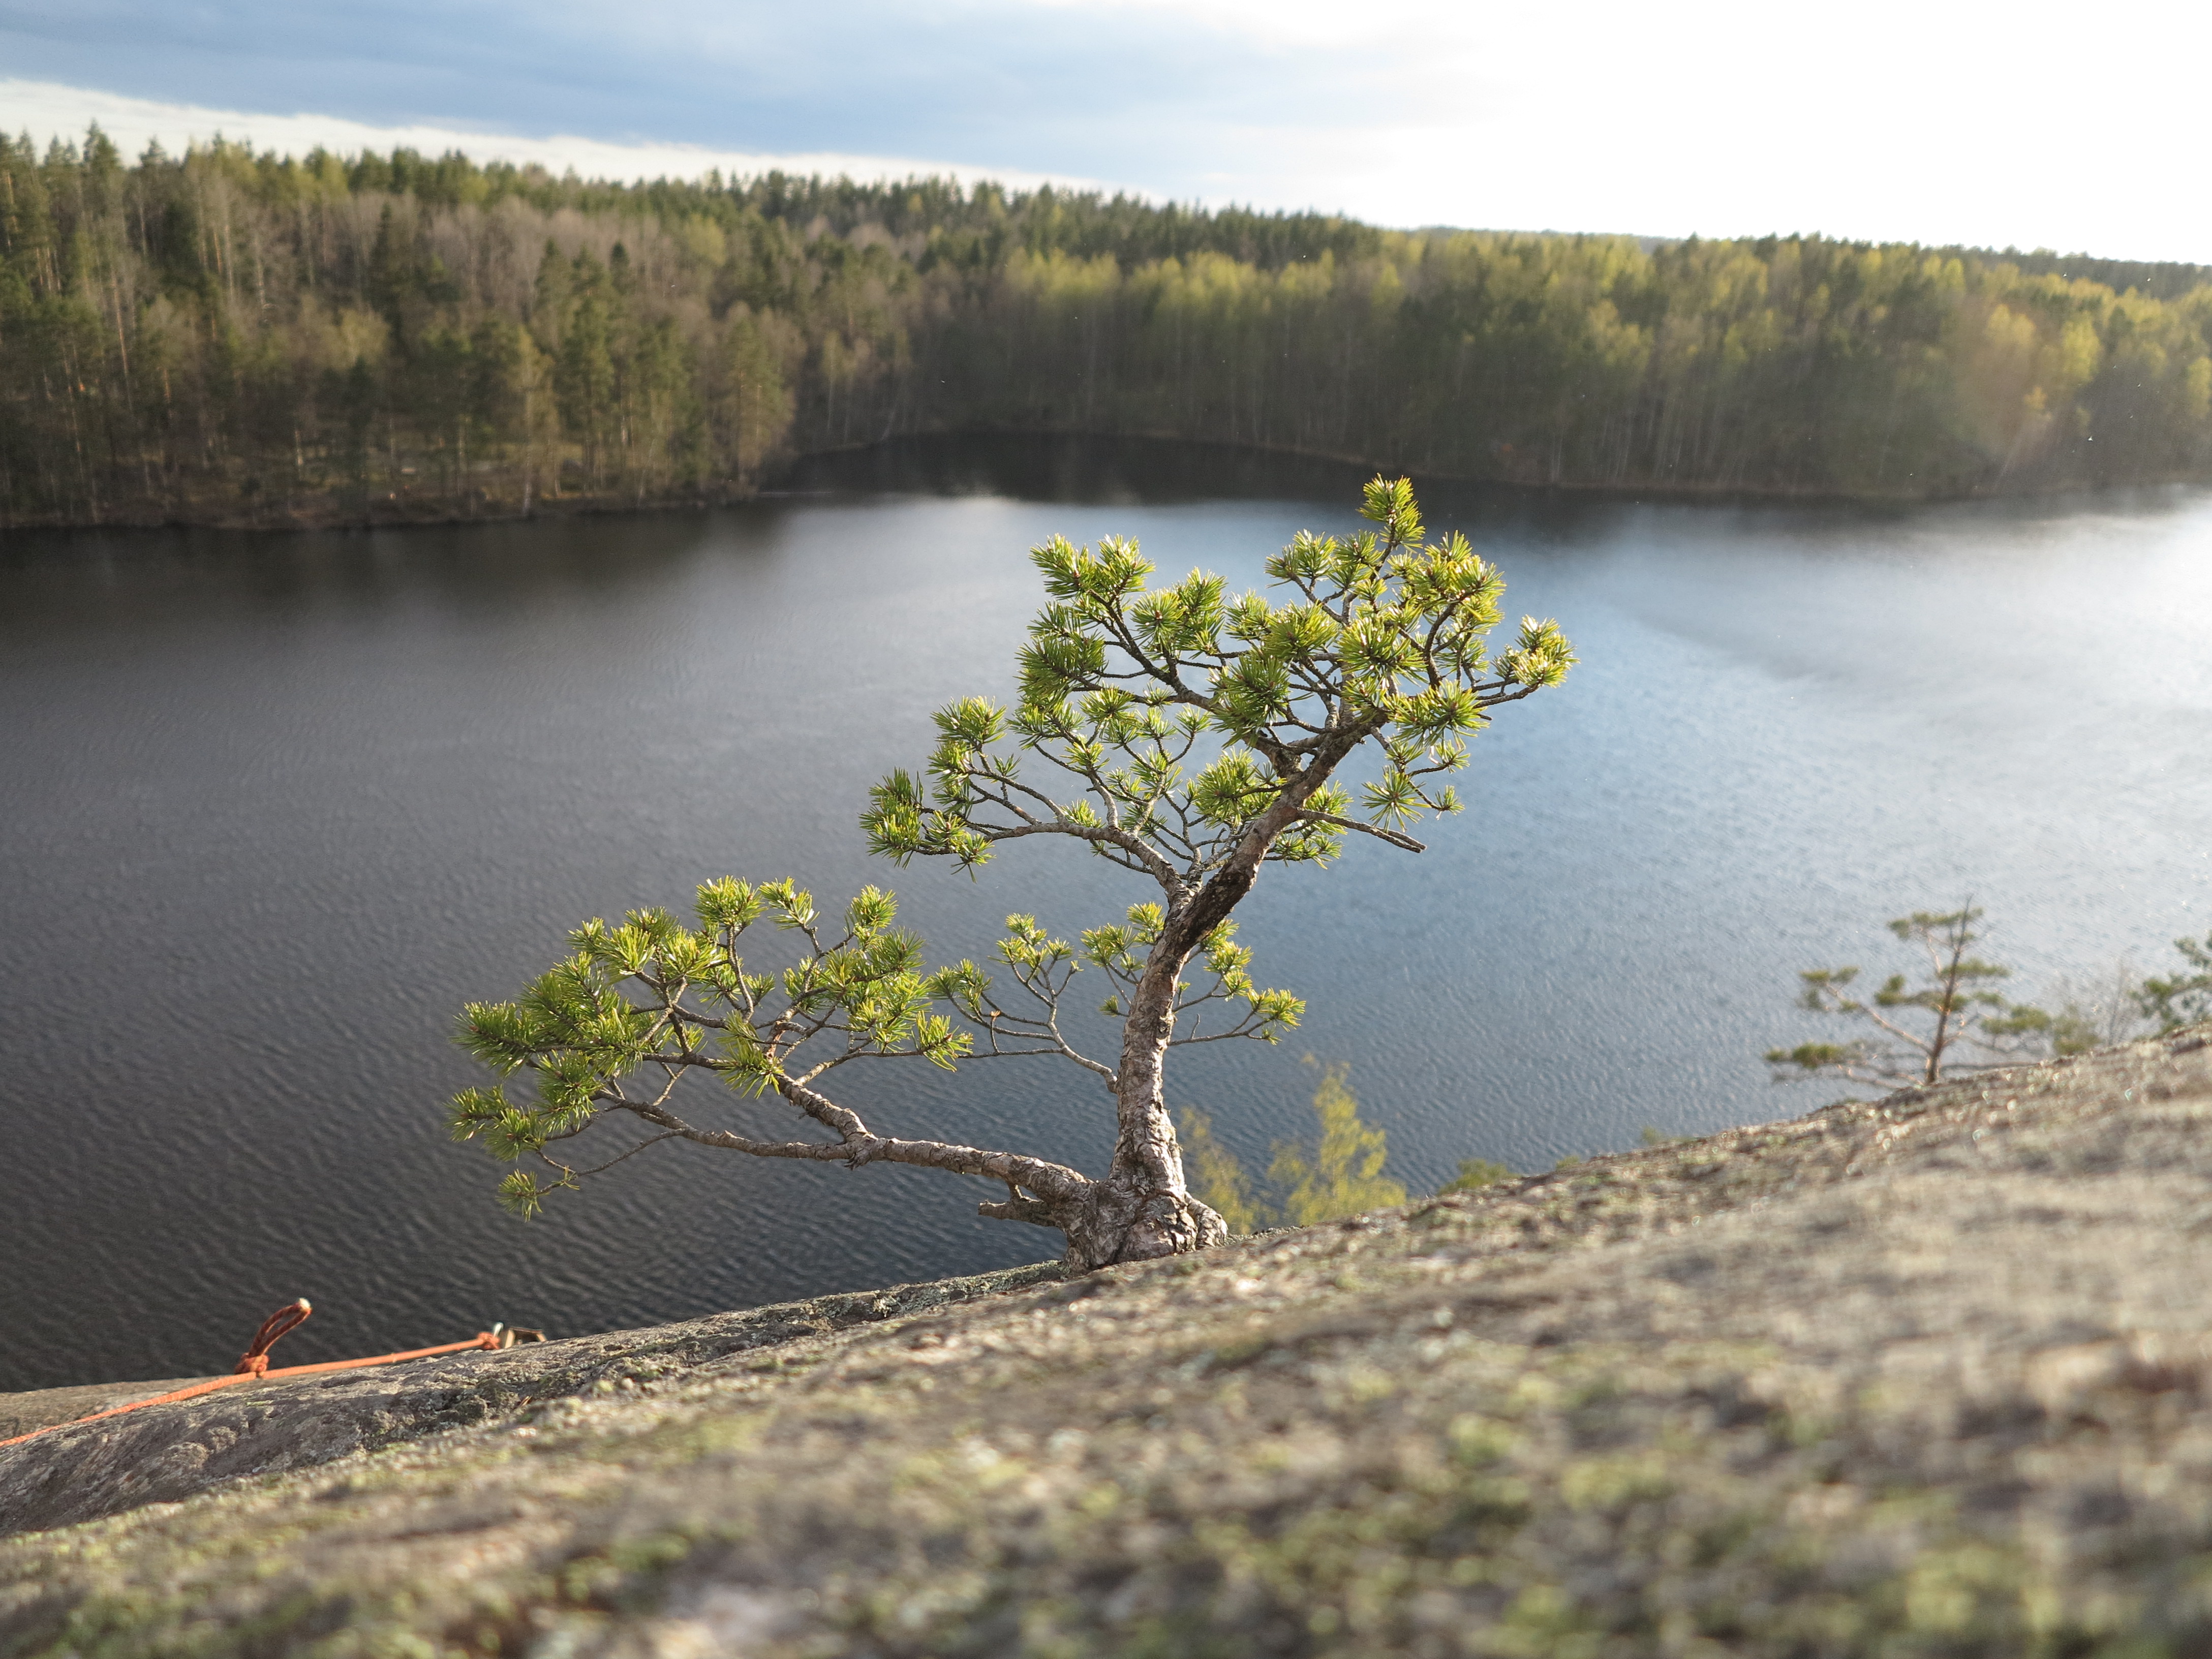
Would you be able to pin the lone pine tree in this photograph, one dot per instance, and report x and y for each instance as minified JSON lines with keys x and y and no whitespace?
{"x":1187,"y":737}
{"x":1951,"y":1024}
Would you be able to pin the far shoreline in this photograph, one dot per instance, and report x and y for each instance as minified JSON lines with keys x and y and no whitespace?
{"x":441,"y":509}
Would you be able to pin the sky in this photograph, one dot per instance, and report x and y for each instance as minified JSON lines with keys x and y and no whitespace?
{"x":2012,"y":125}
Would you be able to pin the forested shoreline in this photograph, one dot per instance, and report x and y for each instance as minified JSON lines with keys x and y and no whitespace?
{"x":234,"y":338}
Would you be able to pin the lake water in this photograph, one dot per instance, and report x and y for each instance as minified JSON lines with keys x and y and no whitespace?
{"x":275,"y":805}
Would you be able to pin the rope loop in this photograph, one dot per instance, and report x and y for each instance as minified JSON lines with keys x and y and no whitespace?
{"x":254,"y":1362}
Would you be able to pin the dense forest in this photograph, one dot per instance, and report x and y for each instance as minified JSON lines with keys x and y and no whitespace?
{"x":234,"y":337}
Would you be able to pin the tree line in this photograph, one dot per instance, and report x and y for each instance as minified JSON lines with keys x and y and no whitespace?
{"x":233,"y":336}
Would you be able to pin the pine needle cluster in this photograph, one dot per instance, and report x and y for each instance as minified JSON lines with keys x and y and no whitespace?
{"x":1180,"y":714}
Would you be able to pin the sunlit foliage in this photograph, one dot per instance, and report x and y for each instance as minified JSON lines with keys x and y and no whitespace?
{"x":229,"y":334}
{"x":1337,"y":1174}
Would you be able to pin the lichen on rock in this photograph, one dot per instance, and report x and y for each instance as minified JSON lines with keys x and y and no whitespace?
{"x":1929,"y":1375}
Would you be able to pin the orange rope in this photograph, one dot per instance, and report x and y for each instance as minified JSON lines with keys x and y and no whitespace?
{"x":254,"y":1364}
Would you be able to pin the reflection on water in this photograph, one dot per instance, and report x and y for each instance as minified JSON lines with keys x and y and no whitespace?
{"x":276,"y":806}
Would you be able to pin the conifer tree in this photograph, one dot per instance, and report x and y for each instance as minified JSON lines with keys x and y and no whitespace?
{"x":1952,"y":1023}
{"x":1184,"y":736}
{"x":2173,"y":1000}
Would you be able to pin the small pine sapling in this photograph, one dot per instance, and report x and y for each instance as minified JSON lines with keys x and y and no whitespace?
{"x":1951,"y":1024}
{"x":2181,"y":999}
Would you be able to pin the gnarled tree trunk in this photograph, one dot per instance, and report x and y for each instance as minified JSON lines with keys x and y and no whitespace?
{"x":1144,"y":1209}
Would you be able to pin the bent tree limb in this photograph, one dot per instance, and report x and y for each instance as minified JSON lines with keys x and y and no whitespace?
{"x":1185,"y":737}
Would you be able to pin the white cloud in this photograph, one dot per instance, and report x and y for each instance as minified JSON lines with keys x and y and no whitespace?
{"x":1935,"y":121}
{"x":47,"y":110}
{"x":1923,"y":120}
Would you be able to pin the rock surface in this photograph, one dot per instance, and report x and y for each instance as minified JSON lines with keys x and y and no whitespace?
{"x":1929,"y":1376}
{"x":22,"y":1414}
{"x":162,"y":1454}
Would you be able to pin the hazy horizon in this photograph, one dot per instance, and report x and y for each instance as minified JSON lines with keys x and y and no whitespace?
{"x":1916,"y":124}
{"x":594,"y":162}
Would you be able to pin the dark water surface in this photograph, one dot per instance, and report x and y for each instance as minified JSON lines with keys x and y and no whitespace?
{"x":275,"y":806}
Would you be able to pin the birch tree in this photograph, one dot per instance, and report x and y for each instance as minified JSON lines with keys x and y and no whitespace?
{"x":1187,"y":737}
